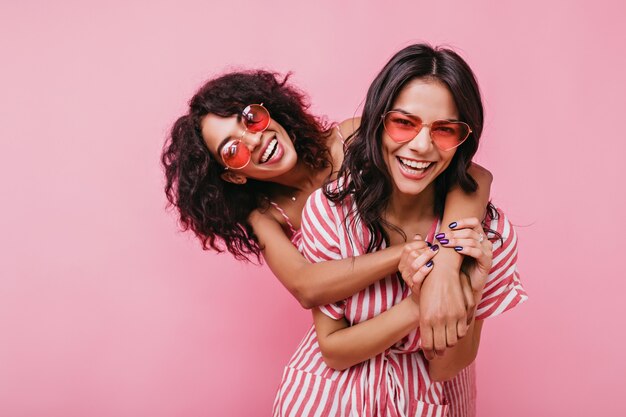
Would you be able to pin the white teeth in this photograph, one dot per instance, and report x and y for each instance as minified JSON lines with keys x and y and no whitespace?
{"x":269,"y":151}
{"x":415,"y":164}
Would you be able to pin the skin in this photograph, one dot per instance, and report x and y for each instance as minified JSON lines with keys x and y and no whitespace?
{"x":411,"y":209}
{"x":312,"y":285}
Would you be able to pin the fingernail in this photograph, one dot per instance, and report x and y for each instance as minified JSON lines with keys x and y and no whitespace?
{"x":440,"y":236}
{"x":452,"y":225}
{"x":458,"y":248}
{"x":434,"y":248}
{"x":429,"y":263}
{"x":443,"y":241}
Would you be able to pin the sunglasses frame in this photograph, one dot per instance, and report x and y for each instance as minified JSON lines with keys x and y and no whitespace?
{"x":429,"y":125}
{"x":237,"y":141}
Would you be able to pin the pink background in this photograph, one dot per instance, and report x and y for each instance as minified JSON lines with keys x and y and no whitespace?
{"x":105,"y":310}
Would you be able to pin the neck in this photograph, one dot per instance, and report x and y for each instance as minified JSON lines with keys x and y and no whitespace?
{"x":300,"y":178}
{"x":405,"y":209}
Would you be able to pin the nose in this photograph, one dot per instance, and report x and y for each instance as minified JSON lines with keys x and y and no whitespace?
{"x":422,"y":142}
{"x":251,"y":139}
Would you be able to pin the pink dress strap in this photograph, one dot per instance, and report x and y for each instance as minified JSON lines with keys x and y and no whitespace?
{"x":340,"y":135}
{"x":282,"y":213}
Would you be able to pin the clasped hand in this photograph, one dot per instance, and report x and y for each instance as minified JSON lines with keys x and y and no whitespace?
{"x":447,"y":299}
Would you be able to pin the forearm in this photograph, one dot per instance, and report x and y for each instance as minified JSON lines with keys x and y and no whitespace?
{"x":329,"y":281}
{"x":457,"y":358}
{"x":314,"y":284}
{"x":343,"y":346}
{"x":459,"y":205}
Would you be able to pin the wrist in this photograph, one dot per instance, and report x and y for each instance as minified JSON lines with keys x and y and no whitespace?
{"x":413,"y":301}
{"x":449,"y":258}
{"x":443,"y":270}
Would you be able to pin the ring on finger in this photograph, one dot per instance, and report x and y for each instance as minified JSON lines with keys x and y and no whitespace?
{"x":482,"y":237}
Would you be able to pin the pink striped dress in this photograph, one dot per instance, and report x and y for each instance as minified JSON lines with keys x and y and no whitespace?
{"x":395,"y":382}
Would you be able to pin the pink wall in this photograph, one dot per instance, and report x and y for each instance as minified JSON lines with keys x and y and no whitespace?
{"x":105,"y":310}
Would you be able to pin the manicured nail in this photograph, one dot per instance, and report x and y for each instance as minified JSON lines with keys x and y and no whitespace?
{"x":452,"y":225}
{"x":429,"y":263}
{"x":434,"y":248}
{"x":458,"y":248}
{"x":443,"y":241}
{"x":440,"y":236}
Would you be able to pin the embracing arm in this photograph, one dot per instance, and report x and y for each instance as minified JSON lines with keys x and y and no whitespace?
{"x":314,"y":284}
{"x":343,"y":346}
{"x":460,"y":205}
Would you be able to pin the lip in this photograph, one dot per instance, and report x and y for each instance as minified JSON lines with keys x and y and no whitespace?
{"x":410,"y":175}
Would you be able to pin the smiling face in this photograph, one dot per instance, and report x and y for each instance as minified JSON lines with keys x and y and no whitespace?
{"x":414,"y":165}
{"x":271,"y":152}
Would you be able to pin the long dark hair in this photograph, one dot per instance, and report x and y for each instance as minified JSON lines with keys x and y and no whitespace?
{"x":364,"y":174}
{"x":216,"y":210}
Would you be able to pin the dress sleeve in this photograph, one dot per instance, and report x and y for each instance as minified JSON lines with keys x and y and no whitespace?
{"x":503,"y":289}
{"x":321,"y":239}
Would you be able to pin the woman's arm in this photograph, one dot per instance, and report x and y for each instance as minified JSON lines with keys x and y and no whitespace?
{"x":443,"y":306}
{"x":343,"y":346}
{"x":457,"y":358}
{"x":469,"y":239}
{"x":314,"y":284}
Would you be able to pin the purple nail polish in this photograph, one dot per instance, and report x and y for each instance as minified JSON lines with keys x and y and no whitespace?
{"x":440,"y":236}
{"x":434,"y":248}
{"x":452,"y":225}
{"x":429,"y":263}
{"x":443,"y":241}
{"x":458,"y":248}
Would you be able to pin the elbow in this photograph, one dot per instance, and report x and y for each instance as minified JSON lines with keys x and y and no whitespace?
{"x":333,"y":356}
{"x":305,"y":296}
{"x":333,"y":362}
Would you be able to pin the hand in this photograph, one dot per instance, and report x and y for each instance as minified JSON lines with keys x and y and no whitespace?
{"x":443,"y":309}
{"x":415,"y":264}
{"x":468,"y":238}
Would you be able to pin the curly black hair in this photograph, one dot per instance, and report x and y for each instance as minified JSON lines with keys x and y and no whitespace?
{"x":216,"y":210}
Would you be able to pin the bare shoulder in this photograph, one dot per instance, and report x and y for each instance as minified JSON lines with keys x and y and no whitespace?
{"x":260,"y":219}
{"x":348,"y":126}
{"x":481,"y":174}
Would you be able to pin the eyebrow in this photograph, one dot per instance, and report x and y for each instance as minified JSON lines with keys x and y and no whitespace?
{"x":399,"y":110}
{"x":227,"y":138}
{"x":222,"y":143}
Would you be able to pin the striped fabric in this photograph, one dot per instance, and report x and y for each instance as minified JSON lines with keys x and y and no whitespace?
{"x":395,"y":382}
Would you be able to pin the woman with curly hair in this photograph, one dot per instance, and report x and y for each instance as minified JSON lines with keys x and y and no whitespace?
{"x":239,"y":167}
{"x":421,"y":125}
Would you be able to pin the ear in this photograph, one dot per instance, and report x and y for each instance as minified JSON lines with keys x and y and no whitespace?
{"x":233,"y":178}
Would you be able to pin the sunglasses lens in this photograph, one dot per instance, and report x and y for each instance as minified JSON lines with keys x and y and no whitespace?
{"x":449,"y":135}
{"x":400,"y":127}
{"x":235,"y":154}
{"x":256,"y":118}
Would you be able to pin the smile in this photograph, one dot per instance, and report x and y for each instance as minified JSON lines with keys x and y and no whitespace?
{"x":413,"y":167}
{"x":269,"y":151}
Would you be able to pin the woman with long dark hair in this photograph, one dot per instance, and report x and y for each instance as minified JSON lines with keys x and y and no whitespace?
{"x":239,"y":167}
{"x":420,"y":128}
